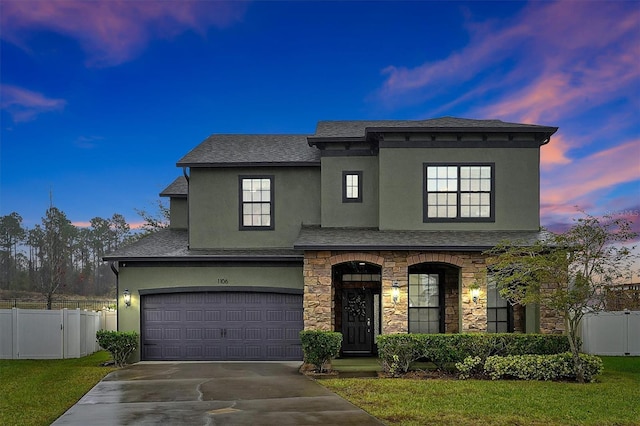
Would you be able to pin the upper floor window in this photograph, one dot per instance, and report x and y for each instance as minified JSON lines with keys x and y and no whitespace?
{"x":462,"y":192}
{"x":256,"y":202}
{"x":352,"y":187}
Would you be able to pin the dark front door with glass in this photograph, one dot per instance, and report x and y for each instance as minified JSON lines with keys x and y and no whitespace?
{"x":357,"y":321}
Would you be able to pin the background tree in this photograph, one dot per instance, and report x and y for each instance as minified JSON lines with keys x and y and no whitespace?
{"x":57,"y":257}
{"x":11,"y":235}
{"x":567,"y":272}
{"x":154,"y":221}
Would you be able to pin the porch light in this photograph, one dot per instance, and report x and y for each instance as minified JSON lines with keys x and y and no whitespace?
{"x":127,"y":297}
{"x":475,"y":294}
{"x":395,"y":292}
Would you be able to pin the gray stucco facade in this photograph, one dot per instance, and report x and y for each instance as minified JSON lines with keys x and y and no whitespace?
{"x":340,"y":228}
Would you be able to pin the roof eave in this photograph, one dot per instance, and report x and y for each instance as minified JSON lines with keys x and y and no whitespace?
{"x":251,"y":164}
{"x":205,"y":258}
{"x":321,"y":247}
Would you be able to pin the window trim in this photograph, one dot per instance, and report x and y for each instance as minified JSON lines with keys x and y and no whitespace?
{"x":458,"y":218}
{"x":243,"y":227}
{"x":441,"y":300}
{"x":346,"y":173}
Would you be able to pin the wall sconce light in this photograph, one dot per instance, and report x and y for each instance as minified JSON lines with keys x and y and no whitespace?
{"x":127,"y":297}
{"x":475,"y":294}
{"x":395,"y":292}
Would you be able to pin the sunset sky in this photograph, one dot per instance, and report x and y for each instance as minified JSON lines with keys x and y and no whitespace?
{"x":99,"y":99}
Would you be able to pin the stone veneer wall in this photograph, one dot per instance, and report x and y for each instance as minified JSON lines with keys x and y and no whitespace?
{"x":319,"y":297}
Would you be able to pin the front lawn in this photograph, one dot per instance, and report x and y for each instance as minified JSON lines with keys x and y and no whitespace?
{"x":613,"y":400}
{"x":36,"y":392}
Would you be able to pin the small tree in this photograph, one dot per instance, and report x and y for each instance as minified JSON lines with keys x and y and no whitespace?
{"x":566,"y":272}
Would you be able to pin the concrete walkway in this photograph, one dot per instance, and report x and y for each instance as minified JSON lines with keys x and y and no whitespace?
{"x":212,"y":393}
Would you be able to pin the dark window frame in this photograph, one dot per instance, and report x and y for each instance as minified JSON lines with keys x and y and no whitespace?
{"x":509,"y":311}
{"x":458,"y":218}
{"x":346,"y":199}
{"x":441,"y":301}
{"x":272,"y":221}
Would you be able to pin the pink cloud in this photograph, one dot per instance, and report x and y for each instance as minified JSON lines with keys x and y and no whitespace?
{"x":115,"y":31}
{"x":24,"y":105}
{"x":87,"y":224}
{"x":554,"y":153}
{"x":584,"y":180}
{"x":568,"y":57}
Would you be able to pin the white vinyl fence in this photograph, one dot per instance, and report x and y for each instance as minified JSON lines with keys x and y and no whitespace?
{"x":611,"y":333}
{"x":55,"y":334}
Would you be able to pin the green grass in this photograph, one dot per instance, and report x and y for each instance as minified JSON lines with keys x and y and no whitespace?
{"x":613,"y":400}
{"x":36,"y":392}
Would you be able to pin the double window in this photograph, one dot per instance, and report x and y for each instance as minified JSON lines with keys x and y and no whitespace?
{"x":256,"y":202}
{"x":352,"y":187}
{"x":462,"y":192}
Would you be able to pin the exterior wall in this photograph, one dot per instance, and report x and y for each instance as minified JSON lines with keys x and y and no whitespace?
{"x":214,"y":207}
{"x":335,"y":213}
{"x":158,"y":277}
{"x":319,"y":297}
{"x":517,"y":202}
{"x":178,"y":213}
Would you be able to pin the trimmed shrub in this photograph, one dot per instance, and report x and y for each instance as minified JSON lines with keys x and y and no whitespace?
{"x":320,"y":347}
{"x":120,"y":344}
{"x":541,"y":367}
{"x":398,"y":351}
{"x":472,"y":365}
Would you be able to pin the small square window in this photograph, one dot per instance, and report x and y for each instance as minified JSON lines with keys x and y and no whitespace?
{"x":351,"y":186}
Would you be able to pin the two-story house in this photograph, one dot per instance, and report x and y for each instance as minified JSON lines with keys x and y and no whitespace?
{"x":365,"y":227}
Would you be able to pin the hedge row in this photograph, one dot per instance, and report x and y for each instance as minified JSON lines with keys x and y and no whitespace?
{"x":541,"y":367}
{"x":398,"y":351}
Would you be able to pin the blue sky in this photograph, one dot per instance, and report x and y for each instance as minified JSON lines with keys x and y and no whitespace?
{"x":99,"y":99}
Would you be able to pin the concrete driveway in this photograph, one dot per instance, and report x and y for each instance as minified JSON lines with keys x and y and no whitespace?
{"x":212,"y":393}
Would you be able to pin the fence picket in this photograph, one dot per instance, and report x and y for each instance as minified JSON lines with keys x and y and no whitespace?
{"x":51,"y":334}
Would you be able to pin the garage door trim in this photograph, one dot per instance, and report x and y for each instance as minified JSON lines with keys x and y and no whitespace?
{"x":210,"y":289}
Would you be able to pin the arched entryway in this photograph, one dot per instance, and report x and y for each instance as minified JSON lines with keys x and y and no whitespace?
{"x":357,"y":287}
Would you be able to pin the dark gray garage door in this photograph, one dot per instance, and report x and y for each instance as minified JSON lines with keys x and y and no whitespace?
{"x":221,"y":326}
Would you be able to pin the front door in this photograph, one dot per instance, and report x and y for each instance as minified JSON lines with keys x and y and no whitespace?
{"x":357,"y":321}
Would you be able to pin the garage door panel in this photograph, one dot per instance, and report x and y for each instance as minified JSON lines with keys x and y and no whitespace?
{"x":171,"y":316}
{"x":195,"y":315}
{"x":235,"y":315}
{"x":213,"y":334}
{"x":210,"y":315}
{"x":222,"y":326}
{"x":194,"y":333}
{"x":171,"y":333}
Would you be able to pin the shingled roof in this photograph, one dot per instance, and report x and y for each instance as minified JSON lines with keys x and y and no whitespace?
{"x":251,"y":150}
{"x":172,"y":245}
{"x":359,"y":128}
{"x":178,"y":188}
{"x":317,"y":238}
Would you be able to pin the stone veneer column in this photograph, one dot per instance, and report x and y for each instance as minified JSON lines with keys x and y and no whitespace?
{"x":395,"y":315}
{"x":318,"y":301}
{"x":473,"y":272}
{"x":551,"y":322}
